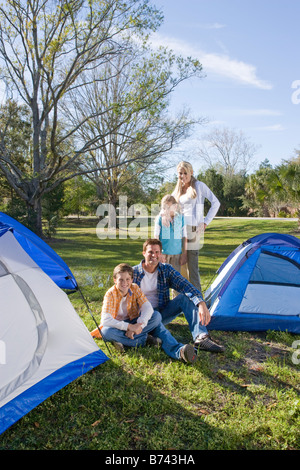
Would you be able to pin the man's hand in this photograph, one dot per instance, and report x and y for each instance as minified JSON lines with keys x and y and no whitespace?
{"x":204,"y":315}
{"x":133,"y":329}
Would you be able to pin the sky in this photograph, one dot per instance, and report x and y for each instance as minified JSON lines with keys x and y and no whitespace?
{"x":250,"y":51}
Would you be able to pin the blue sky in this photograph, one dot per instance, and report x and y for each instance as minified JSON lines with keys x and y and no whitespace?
{"x":250,"y":54}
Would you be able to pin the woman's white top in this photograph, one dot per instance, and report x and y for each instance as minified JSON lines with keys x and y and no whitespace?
{"x":193,"y":209}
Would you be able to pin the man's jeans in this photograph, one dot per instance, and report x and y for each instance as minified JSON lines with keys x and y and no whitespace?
{"x":180,"y":304}
{"x":169,"y":344}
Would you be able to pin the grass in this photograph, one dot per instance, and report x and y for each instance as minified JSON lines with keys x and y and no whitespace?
{"x":245,"y":399}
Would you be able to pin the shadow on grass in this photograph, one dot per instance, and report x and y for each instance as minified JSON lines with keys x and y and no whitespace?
{"x":112,"y":409}
{"x":137,"y":401}
{"x":244,"y":362}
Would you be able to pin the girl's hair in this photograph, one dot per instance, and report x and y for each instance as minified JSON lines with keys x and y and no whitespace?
{"x":191,"y":191}
{"x":168,"y":199}
{"x":123,"y":268}
{"x":165,"y":212}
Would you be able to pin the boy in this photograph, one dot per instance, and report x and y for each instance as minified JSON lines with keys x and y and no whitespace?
{"x":127,"y":318}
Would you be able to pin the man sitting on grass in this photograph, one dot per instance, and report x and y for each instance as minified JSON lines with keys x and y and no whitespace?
{"x":127,"y":318}
{"x":156,"y":279}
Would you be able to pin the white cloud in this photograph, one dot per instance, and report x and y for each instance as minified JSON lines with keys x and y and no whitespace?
{"x":233,"y":69}
{"x":257,"y":112}
{"x":212,"y":26}
{"x":216,"y":64}
{"x":274,"y":128}
{"x":216,"y":123}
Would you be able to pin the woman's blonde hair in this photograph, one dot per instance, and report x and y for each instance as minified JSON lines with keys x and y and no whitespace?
{"x":191,"y":191}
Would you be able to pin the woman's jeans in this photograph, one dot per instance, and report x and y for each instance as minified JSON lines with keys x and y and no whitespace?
{"x":195,"y":241}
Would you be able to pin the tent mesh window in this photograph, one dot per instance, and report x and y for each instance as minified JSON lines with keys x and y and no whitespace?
{"x":275,"y":268}
{"x":274,"y":286}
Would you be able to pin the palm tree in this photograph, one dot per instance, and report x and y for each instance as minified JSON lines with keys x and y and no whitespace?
{"x":286,"y":184}
{"x":258,"y":197}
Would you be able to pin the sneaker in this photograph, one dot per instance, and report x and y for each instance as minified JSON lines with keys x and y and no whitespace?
{"x":207,"y":344}
{"x":188,"y":354}
{"x":153,"y":341}
{"x":119,"y":346}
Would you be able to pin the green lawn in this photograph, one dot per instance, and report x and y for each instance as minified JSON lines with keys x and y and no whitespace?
{"x":247,"y":398}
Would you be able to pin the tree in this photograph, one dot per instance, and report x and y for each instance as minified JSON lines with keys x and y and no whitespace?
{"x":136,"y":130}
{"x":228,"y":151}
{"x":227,"y":188}
{"x":15,"y":132}
{"x":80,"y":196}
{"x":45,"y":46}
{"x":285,"y":184}
{"x":258,"y":197}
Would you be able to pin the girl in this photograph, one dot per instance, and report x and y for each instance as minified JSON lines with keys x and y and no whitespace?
{"x":170,"y":229}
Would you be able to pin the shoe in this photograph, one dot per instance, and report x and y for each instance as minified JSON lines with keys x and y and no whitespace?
{"x":119,"y":346}
{"x":207,"y":344}
{"x":188,"y":354}
{"x":153,"y":341}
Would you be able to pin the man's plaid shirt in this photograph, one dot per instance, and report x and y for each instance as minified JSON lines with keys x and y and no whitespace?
{"x":168,"y":278}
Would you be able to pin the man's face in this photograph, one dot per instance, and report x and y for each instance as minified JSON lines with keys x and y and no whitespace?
{"x":152,"y":255}
{"x":123,"y":282}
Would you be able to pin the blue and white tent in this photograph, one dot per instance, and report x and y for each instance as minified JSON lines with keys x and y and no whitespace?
{"x":257,"y":288}
{"x":44,"y":345}
{"x":40,"y":252}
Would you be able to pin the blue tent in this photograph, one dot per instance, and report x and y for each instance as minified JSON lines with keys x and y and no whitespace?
{"x":44,"y":345}
{"x":40,"y":252}
{"x":257,"y":288}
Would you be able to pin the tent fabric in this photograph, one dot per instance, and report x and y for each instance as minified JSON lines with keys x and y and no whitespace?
{"x":44,"y":345}
{"x":44,"y":256}
{"x":258,"y":287}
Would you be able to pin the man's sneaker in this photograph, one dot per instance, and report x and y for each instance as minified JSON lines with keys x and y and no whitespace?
{"x":207,"y":344}
{"x":188,"y":354}
{"x":119,"y":346}
{"x":153,"y":341}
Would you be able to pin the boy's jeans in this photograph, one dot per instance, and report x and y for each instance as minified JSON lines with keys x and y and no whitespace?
{"x":180,"y":304}
{"x":169,"y":344}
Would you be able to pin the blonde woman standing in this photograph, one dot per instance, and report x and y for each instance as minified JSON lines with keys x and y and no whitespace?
{"x":191,"y":194}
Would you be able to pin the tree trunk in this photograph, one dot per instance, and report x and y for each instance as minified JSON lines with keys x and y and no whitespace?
{"x":112,"y":218}
{"x":34,"y":217}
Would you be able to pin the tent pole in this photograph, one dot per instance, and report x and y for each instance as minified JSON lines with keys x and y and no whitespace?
{"x":212,"y":279}
{"x":90,"y":312}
